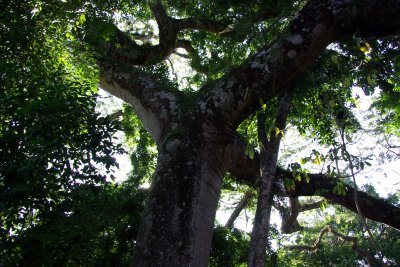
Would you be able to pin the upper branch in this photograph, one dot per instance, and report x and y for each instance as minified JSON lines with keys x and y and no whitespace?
{"x":274,"y":69}
{"x":126,"y":50}
{"x":201,"y":25}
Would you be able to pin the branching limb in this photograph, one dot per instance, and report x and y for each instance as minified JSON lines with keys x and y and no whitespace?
{"x":126,"y":50}
{"x":328,"y":229}
{"x":151,"y":102}
{"x":247,"y":197}
{"x":247,"y":170}
{"x":274,"y":69}
{"x":289,"y":216}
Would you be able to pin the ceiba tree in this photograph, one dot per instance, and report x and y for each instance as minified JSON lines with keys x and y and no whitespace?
{"x":197,"y":143}
{"x":196,"y":132}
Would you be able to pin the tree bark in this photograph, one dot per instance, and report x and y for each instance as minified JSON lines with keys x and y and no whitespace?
{"x":195,"y":146}
{"x":238,"y":209}
{"x":178,"y":220}
{"x":268,"y":161}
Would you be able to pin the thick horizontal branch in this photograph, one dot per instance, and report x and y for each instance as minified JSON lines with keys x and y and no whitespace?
{"x":310,"y":206}
{"x":373,"y":208}
{"x":247,"y":170}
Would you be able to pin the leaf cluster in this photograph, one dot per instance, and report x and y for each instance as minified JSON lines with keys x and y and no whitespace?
{"x":52,"y":141}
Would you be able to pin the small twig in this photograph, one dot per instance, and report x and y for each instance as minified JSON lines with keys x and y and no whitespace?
{"x":173,"y":70}
{"x":116,"y":115}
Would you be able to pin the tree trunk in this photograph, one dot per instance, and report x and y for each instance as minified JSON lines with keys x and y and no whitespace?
{"x":178,"y":220}
{"x":268,"y":161}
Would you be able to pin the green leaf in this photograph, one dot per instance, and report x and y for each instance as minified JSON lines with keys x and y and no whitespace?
{"x":82,"y":19}
{"x":347,"y":82}
{"x":335,"y":59}
{"x":307,"y":177}
{"x":251,"y":152}
{"x":371,"y":81}
{"x":289,"y":184}
{"x":317,"y":160}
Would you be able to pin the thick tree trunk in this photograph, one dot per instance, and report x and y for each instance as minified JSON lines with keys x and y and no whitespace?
{"x":178,"y":220}
{"x":177,"y":224}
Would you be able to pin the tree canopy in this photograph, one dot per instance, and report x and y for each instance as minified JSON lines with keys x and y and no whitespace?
{"x":210,"y":89}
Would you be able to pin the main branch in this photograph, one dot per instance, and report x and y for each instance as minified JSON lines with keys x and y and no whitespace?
{"x":152,"y":102}
{"x":274,"y":69}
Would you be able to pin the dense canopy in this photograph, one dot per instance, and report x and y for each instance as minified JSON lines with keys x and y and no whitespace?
{"x":211,"y":90}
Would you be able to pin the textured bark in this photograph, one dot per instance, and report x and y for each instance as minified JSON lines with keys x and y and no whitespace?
{"x":197,"y":145}
{"x":268,"y":161}
{"x":289,"y":214}
{"x":276,"y":68}
{"x":155,"y":107}
{"x":178,"y":220}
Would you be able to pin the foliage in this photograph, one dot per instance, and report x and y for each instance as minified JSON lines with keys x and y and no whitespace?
{"x":143,"y":156}
{"x":333,"y":251}
{"x":56,"y":205}
{"x":229,"y":248}
{"x":52,"y":142}
{"x":93,"y":226}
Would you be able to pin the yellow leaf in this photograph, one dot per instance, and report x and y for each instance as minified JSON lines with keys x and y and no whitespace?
{"x":357,"y":103}
{"x":365,"y":47}
{"x":317,"y":161}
